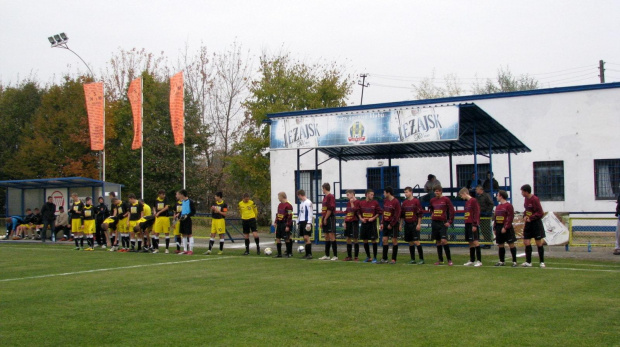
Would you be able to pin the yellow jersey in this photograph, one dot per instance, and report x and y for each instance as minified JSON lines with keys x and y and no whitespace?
{"x":248,"y":209}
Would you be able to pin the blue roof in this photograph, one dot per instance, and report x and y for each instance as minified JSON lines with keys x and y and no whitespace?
{"x":62,"y":182}
{"x":449,"y":100}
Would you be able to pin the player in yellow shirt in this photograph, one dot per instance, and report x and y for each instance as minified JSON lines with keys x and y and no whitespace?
{"x":218,"y":222}
{"x":136,"y":212}
{"x":77,"y":213}
{"x":122,"y":212}
{"x":88,"y":228}
{"x":162,"y":222}
{"x":249,"y":212}
{"x":177,"y":226}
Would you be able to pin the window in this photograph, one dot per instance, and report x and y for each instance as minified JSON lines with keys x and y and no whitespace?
{"x":378,"y":178}
{"x":464,"y":172}
{"x":549,"y":180}
{"x":307,"y":181}
{"x":606,"y":179}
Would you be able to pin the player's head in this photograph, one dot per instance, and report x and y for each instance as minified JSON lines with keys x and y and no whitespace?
{"x":370,"y":194}
{"x":74,"y":196}
{"x":282,"y":196}
{"x":301,"y":194}
{"x":161,"y":193}
{"x":61,"y":208}
{"x":408,"y":192}
{"x":526,"y":190}
{"x":132,"y":198}
{"x":388,"y":192}
{"x":89,"y":200}
{"x":246,"y":197}
{"x":326,"y":188}
{"x":502,"y":195}
{"x":112,"y":194}
{"x":28,"y":211}
{"x":100,"y":200}
{"x":36,"y":210}
{"x":350,"y":194}
{"x":464,"y":194}
{"x":438,"y":190}
{"x":431,"y":177}
{"x":181,"y":194}
{"x":50,"y":199}
{"x":479,"y":190}
{"x":136,"y":229}
{"x":219,"y":196}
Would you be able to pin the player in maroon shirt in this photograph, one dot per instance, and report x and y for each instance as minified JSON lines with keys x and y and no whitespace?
{"x":442,"y":215}
{"x":283,"y":224}
{"x":503,"y":230}
{"x":368,"y":213}
{"x":533,"y":228}
{"x":352,"y":226}
{"x":329,"y":222}
{"x":472,"y":223}
{"x":391,"y":219}
{"x":412,"y":213}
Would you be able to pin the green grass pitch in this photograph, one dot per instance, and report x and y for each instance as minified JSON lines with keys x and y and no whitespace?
{"x":53,"y":295}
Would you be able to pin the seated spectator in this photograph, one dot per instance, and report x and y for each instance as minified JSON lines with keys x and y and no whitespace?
{"x":487,"y":183}
{"x":62,"y":223}
{"x":23,"y":229}
{"x":36,"y":224}
{"x":429,"y":187}
{"x":11,"y":227}
{"x":471,"y":186}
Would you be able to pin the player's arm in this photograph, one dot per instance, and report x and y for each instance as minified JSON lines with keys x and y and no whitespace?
{"x":255,"y":210}
{"x":476,"y":216}
{"x":224,"y":210}
{"x":165,"y":209}
{"x":395,"y":220}
{"x":450,"y":211}
{"x":538,"y":211}
{"x":510,"y":215}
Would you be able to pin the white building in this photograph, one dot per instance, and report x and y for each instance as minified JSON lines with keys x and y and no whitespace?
{"x":573,"y":134}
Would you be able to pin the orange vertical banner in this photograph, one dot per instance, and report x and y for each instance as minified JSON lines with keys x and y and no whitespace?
{"x":94,"y":107}
{"x":135,"y":99}
{"x":177,"y":108}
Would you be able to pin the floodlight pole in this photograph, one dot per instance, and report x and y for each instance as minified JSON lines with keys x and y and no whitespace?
{"x":64,"y":46}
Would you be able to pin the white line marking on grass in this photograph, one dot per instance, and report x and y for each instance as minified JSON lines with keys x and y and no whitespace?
{"x":111,"y":269}
{"x":594,"y":265}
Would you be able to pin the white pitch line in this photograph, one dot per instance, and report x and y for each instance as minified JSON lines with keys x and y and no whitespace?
{"x":111,"y":269}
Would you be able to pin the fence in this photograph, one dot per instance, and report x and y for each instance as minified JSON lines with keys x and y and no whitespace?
{"x":600,"y":231}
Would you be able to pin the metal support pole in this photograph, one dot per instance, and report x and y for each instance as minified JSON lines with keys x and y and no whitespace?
{"x":475,"y":182}
{"x":451,"y":173}
{"x":316,"y":196}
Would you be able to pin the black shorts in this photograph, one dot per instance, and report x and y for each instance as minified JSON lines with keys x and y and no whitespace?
{"x":301,"y":228}
{"x":249,"y":225}
{"x":330,"y":226}
{"x":281,"y":232}
{"x":352,"y":229}
{"x":145,"y":225}
{"x":439,"y":230}
{"x":534,"y":230}
{"x":186,"y":226}
{"x":507,"y":237}
{"x":390,"y":232}
{"x":411,"y":234}
{"x":368,"y":231}
{"x":470,"y":235}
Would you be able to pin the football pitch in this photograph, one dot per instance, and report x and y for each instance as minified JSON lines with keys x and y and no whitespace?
{"x":53,"y":295}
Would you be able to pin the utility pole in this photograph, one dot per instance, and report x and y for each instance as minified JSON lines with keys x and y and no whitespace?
{"x":601,"y":70}
{"x":364,"y":85}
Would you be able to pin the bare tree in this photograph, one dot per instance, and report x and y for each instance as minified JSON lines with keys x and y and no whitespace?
{"x":125,"y":66}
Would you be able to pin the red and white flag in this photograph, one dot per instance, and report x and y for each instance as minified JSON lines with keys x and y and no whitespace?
{"x":94,"y":107}
{"x":135,"y":99}
{"x":177,"y":108}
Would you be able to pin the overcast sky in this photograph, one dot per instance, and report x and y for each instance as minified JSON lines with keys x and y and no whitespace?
{"x":396,"y":42}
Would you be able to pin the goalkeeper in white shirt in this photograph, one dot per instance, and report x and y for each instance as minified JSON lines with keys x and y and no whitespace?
{"x":304,"y":221}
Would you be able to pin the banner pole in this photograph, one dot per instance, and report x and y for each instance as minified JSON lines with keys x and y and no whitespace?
{"x":183,"y":165}
{"x":103,"y":154}
{"x":142,"y":138}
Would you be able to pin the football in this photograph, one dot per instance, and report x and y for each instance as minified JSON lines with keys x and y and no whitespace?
{"x":301,"y":249}
{"x":267,"y":251}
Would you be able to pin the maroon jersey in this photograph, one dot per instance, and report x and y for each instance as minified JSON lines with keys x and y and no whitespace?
{"x":391,"y":211}
{"x":442,"y":209}
{"x":504,"y":214}
{"x":329,"y":204}
{"x":369,"y":208}
{"x":285,"y":214}
{"x":472,"y":212}
{"x":533,"y":208}
{"x":352,"y":210}
{"x":411,"y":210}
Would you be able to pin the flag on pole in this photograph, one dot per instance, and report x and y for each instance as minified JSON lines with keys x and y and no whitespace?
{"x":177,"y":108}
{"x":95,"y":109}
{"x":135,"y":98}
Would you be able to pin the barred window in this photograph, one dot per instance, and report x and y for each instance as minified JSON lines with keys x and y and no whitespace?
{"x":465,"y":171}
{"x":377,"y":178}
{"x":549,"y":180}
{"x":606,"y":179}
{"x":309,"y":180}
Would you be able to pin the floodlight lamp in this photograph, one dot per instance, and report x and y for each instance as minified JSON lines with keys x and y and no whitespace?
{"x":52,"y":41}
{"x":57,"y":38}
{"x":64,"y":37}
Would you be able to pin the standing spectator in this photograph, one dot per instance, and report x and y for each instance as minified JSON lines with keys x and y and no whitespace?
{"x":429,"y":187}
{"x":62,"y":223}
{"x":487,"y":183}
{"x":471,"y":186}
{"x":486,"y":212}
{"x":617,"y":250}
{"x":102,"y":213}
{"x":48,"y":212}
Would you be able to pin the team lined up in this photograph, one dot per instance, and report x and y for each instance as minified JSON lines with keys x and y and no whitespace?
{"x":361,"y":216}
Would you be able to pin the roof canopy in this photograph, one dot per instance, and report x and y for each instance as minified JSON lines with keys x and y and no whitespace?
{"x":63,"y":182}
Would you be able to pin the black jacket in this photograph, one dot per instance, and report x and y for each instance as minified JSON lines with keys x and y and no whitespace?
{"x":102,"y":212}
{"x":48,"y":211}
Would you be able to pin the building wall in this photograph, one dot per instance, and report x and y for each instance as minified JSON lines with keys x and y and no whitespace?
{"x":574,"y":127}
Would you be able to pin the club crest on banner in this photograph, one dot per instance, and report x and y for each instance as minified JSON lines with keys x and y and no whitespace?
{"x":59,"y":199}
{"x":356,"y":133}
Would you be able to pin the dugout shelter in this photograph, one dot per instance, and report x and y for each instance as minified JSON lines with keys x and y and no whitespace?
{"x":22,"y":194}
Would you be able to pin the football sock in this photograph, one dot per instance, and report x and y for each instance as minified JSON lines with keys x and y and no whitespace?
{"x":177,"y":240}
{"x":394,"y":252}
{"x":335,"y":248}
{"x":502,"y":254}
{"x":309,"y":248}
{"x":191,"y":243}
{"x":420,"y":252}
{"x":112,"y":239}
{"x":257,"y":241}
{"x":221,"y":245}
{"x":81,"y":241}
{"x":356,"y":248}
{"x":167,"y":241}
{"x":446,"y":249}
{"x":541,"y":254}
{"x":327,"y":246}
{"x":247,"y":245}
{"x":133,"y":244}
{"x":513,"y":252}
{"x":77,"y":242}
{"x":478,"y":254}
{"x":367,"y":249}
{"x":139,"y":244}
{"x":374,"y":249}
{"x":184,"y":244}
{"x":349,"y":250}
{"x":472,"y":254}
{"x":211,"y":242}
{"x":279,"y":246}
{"x":439,"y":253}
{"x":412,"y":252}
{"x":385,"y":251}
{"x":289,"y":247}
{"x":528,"y":254}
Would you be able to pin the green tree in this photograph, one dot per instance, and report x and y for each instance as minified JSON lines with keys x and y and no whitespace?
{"x":505,"y":82}
{"x":284,"y":84}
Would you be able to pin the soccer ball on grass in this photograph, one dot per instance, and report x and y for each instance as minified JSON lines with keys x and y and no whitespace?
{"x":267,"y":251}
{"x":301,"y":249}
